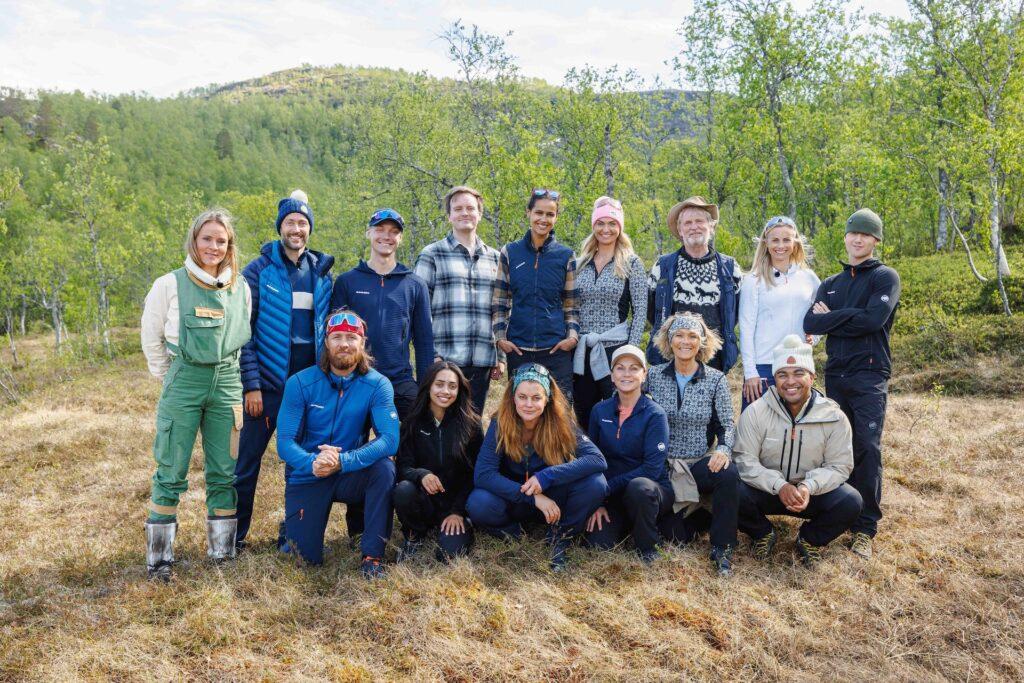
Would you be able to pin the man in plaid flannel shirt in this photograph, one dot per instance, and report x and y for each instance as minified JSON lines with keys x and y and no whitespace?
{"x":460,"y":271}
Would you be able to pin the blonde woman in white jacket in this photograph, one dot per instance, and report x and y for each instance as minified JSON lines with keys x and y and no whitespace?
{"x":773,"y":300}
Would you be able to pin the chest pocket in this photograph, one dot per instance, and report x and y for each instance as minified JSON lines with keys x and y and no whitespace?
{"x":203,"y":335}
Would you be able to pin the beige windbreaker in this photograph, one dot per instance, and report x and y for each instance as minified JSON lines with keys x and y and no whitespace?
{"x":772,"y":448}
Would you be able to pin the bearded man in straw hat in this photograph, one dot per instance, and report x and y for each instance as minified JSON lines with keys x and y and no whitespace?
{"x":697,"y":279}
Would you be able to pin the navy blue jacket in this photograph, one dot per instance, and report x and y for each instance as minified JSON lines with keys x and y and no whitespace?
{"x":659,"y":306}
{"x":316,"y":409}
{"x":265,"y":358}
{"x":537,"y":285}
{"x":396,"y":308}
{"x":638,"y":448}
{"x":431,"y":450}
{"x":862,"y":301}
{"x":502,"y":476}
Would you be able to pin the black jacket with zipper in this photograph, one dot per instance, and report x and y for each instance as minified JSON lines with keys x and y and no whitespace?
{"x":862,"y":303}
{"x":431,"y":450}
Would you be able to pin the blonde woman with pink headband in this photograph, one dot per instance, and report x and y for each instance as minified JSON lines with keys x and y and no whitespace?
{"x":611,"y":286}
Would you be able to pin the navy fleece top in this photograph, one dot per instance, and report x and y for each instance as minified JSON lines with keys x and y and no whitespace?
{"x":636,"y":449}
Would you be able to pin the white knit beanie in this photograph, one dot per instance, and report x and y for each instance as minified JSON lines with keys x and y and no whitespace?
{"x":793,"y":352}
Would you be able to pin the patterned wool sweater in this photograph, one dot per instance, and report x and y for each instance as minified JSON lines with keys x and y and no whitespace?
{"x":701,"y":418}
{"x":605,"y":300}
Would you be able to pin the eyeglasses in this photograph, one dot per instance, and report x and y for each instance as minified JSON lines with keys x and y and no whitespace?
{"x":779,"y":220}
{"x":544,"y":192}
{"x":343,"y":318}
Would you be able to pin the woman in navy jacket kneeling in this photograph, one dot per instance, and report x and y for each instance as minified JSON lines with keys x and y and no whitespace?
{"x":632,"y":432}
{"x":535,"y":464}
{"x":440,"y":440}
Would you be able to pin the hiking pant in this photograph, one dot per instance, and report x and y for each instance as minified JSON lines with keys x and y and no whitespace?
{"x":723,"y":486}
{"x":479,"y":383}
{"x":862,"y":396}
{"x":635,"y":510}
{"x":307,"y":509}
{"x":577,"y":501}
{"x":587,"y":391}
{"x":828,"y":514}
{"x":559,"y":364}
{"x":256,"y":433}
{"x":764,"y":371}
{"x":419,"y":512}
{"x":194,"y":398}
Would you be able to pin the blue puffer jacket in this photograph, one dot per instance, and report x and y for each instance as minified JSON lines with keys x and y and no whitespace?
{"x":502,"y":476}
{"x":265,"y":358}
{"x":318,"y":408}
{"x":659,"y":306}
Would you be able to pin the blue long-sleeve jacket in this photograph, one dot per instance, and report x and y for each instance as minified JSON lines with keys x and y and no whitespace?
{"x":315,"y":410}
{"x":396,"y":308}
{"x":265,"y":358}
{"x":502,"y":476}
{"x":636,"y":449}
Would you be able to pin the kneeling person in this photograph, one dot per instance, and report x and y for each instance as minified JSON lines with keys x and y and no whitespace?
{"x":440,"y":441}
{"x":794,"y":453}
{"x":322,"y":432}
{"x":631,"y":430}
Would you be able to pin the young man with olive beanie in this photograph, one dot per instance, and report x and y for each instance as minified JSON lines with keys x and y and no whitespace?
{"x":794,"y":454}
{"x":291,"y":294}
{"x":855,"y":309}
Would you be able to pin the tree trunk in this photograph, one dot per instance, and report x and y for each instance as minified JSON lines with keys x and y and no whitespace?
{"x":24,"y":311}
{"x":102,"y":301}
{"x":787,"y":181}
{"x":995,"y":238}
{"x":10,"y":336}
{"x":942,"y":237}
{"x":609,"y":169}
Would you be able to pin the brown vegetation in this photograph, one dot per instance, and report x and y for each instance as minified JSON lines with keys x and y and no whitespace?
{"x":941,"y":600}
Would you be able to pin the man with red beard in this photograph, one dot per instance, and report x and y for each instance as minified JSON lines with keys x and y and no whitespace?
{"x":323,"y":438}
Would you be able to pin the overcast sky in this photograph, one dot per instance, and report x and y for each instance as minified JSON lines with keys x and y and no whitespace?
{"x":163,"y":48}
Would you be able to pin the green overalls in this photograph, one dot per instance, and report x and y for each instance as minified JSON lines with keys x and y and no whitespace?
{"x":202,"y":390}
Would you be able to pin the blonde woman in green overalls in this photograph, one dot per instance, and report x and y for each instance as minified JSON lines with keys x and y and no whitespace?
{"x":195,"y":321}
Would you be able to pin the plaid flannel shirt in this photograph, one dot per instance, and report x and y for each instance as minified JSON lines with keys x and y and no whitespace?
{"x":461,"y":286}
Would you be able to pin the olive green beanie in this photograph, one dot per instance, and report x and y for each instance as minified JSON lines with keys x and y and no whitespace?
{"x":865,"y":221}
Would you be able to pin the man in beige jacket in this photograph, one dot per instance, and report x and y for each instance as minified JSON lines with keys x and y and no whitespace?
{"x":794,"y":453}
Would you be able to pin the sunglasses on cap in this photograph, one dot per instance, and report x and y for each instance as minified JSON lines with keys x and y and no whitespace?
{"x":387,"y":215}
{"x":544,"y":192}
{"x":779,"y":220}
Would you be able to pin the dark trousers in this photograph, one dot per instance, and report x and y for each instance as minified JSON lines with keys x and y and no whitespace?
{"x":723,"y":486}
{"x":862,"y":396}
{"x":559,"y":364}
{"x":764,"y":371}
{"x":587,"y":391}
{"x":577,"y":501}
{"x":479,"y":384}
{"x":307,"y":509}
{"x":635,"y":510}
{"x":419,"y":512}
{"x":252,"y":444}
{"x":828,"y":515}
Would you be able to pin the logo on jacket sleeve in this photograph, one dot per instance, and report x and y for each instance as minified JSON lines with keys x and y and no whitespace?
{"x":661,"y":446}
{"x":885,"y":298}
{"x":394,"y":415}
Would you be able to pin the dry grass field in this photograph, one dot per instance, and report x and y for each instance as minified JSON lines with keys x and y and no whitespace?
{"x":942,"y":600}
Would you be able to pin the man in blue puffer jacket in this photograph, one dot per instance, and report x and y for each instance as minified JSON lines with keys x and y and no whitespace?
{"x":291,"y":293}
{"x":323,"y":437}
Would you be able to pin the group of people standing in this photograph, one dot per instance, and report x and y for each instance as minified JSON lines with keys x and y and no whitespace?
{"x":592,"y":438}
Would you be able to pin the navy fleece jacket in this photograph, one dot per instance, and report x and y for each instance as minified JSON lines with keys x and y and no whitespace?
{"x":502,"y":476}
{"x":636,"y":449}
{"x":396,"y":308}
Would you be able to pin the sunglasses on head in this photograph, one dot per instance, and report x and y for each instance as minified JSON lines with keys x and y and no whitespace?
{"x":544,"y":192}
{"x":609,"y":202}
{"x":779,"y":220}
{"x":343,"y":318}
{"x":534,"y":367}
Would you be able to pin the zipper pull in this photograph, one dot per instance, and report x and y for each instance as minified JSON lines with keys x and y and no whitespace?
{"x":536,"y":261}
{"x":792,"y":434}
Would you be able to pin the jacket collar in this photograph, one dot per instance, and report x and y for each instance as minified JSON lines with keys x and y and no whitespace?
{"x":207,"y":280}
{"x":399,"y":270}
{"x":528,"y":242}
{"x":642,"y":403}
{"x":816,"y":410}
{"x":321,"y":262}
{"x":866,"y":265}
{"x":670,"y":371}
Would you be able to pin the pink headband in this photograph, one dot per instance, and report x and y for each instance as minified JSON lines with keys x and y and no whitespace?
{"x":608,"y":211}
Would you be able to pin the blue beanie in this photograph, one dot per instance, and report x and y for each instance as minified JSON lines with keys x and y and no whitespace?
{"x":296,"y":203}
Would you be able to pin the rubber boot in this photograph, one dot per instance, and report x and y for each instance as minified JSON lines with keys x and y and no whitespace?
{"x":160,"y":549}
{"x":220,"y":535}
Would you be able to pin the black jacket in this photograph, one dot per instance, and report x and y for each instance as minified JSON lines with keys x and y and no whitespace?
{"x":862,"y":303}
{"x":431,"y":450}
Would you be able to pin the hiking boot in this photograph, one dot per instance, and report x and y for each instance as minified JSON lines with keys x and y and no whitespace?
{"x":764,"y":546}
{"x":721,"y":560}
{"x":160,"y":549}
{"x":559,"y":549}
{"x":860,"y":545}
{"x":220,"y":538}
{"x":648,"y":556}
{"x":410,"y":548}
{"x":372,"y":568}
{"x":810,"y":555}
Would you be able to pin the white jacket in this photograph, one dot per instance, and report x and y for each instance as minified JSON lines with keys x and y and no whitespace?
{"x":160,"y":315}
{"x":769,"y":314}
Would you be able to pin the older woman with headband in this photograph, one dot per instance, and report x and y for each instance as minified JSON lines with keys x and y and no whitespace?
{"x":774,"y":297}
{"x":195,"y":321}
{"x":611,"y":285}
{"x":696,"y":399}
{"x":535,"y":465}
